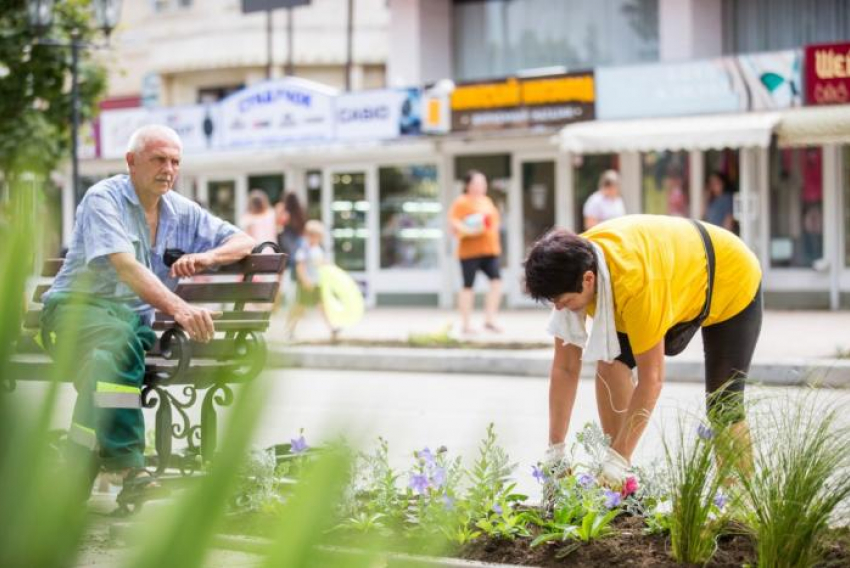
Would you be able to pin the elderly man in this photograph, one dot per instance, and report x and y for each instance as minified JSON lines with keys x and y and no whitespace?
{"x":114,"y":276}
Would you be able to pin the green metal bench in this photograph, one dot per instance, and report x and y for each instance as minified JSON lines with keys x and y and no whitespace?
{"x":178,"y":371}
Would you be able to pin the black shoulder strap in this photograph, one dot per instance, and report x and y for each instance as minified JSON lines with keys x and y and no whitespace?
{"x":709,"y":255}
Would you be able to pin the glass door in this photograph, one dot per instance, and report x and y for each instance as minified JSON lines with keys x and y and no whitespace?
{"x":538,"y":201}
{"x":349,"y":212}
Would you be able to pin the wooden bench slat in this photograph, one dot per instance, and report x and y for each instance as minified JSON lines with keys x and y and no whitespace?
{"x":245,"y":325}
{"x":265,"y":263}
{"x":51,"y":267}
{"x":230,"y":315}
{"x":210,"y":291}
{"x":256,"y":264}
{"x":228,"y":291}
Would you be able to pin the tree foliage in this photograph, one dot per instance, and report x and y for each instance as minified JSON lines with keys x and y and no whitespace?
{"x":35,"y":85}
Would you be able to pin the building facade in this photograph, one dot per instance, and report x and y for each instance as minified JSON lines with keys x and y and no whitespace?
{"x":682,"y":88}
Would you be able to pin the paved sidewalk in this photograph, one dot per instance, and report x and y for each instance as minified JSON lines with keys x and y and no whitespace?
{"x":794,"y":347}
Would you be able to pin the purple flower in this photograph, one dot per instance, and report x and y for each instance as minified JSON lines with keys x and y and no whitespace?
{"x":419,"y":483}
{"x":298,"y":445}
{"x":426,"y":456}
{"x":448,"y":503}
{"x":720,"y":500}
{"x":705,"y":432}
{"x":438,"y":476}
{"x":538,"y":474}
{"x":497,"y":509}
{"x":585,"y":480}
{"x":612,"y":499}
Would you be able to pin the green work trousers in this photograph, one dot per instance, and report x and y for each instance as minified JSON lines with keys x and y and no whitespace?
{"x":107,"y":342}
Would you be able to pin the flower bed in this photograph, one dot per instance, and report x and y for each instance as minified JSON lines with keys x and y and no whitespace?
{"x":659,"y":516}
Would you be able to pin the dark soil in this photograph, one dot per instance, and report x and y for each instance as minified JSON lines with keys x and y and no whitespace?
{"x":628,"y":546}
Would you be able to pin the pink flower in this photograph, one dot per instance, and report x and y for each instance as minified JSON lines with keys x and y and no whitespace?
{"x":629,"y":486}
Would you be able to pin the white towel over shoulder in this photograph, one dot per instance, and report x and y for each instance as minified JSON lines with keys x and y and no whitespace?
{"x":569,"y":326}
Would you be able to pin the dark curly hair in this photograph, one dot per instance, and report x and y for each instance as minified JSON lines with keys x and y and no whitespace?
{"x":556,"y":265}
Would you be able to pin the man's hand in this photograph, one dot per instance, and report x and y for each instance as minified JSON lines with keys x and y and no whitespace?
{"x":614,"y":469}
{"x":198,"y":322}
{"x":191,"y":264}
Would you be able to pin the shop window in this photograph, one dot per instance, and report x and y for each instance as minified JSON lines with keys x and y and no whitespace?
{"x":211,"y":95}
{"x":222,"y":196}
{"x":313,"y":183}
{"x":411,"y":217}
{"x":161,"y":6}
{"x":768,"y":25}
{"x":497,"y":169}
{"x":665,"y":183}
{"x":350,"y":209}
{"x":796,"y":207}
{"x":538,"y":200}
{"x":722,"y":175}
{"x":588,"y":170}
{"x":493,"y":39}
{"x":847,"y":206}
{"x":272,"y":185}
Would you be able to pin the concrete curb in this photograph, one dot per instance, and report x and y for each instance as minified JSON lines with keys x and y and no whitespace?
{"x":333,"y":555}
{"x":532,"y":363}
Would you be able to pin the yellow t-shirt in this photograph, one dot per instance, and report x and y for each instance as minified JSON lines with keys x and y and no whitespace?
{"x":659,"y":274}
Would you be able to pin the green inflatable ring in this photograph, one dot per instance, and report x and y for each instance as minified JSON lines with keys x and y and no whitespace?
{"x":341,"y":297}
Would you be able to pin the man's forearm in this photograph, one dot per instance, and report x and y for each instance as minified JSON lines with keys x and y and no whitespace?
{"x":563,"y":385}
{"x":149,"y":288}
{"x":235,"y":248}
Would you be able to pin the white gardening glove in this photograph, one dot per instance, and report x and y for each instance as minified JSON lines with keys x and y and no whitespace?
{"x":614,"y":469}
{"x":554,"y":453}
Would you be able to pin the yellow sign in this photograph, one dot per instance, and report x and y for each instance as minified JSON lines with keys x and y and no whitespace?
{"x":514,"y":92}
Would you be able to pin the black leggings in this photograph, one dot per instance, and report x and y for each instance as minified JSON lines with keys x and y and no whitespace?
{"x":728,"y":348}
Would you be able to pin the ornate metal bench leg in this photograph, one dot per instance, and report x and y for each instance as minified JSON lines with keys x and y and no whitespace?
{"x":162,"y":425}
{"x":221,"y":395}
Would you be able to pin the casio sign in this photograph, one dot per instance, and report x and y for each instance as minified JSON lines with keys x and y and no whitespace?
{"x":365,"y":114}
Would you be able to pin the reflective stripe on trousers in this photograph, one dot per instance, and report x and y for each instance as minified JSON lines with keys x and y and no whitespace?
{"x":112,"y":395}
{"x":83,"y":436}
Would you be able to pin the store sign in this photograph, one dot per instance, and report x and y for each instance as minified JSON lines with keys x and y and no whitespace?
{"x":378,"y":115}
{"x":277,"y":112}
{"x":727,"y":84}
{"x":516,"y":103}
{"x":772,"y":80}
{"x":195,"y":124}
{"x":828,"y":74}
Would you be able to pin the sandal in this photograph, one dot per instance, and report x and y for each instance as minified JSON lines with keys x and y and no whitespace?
{"x":139,"y":486}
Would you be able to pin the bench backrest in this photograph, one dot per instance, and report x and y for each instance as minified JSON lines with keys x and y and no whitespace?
{"x":244,"y":292}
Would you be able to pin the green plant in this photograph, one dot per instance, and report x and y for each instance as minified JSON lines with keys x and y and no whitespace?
{"x":695,"y":479}
{"x":504,"y":521}
{"x":801,"y":478}
{"x":43,"y":518}
{"x":489,"y":476}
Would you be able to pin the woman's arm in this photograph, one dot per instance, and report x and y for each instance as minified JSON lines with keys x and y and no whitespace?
{"x":563,"y":385}
{"x":650,"y":367}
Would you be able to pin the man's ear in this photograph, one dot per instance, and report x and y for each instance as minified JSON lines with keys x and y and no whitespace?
{"x":589,"y":279}
{"x":131,"y":159}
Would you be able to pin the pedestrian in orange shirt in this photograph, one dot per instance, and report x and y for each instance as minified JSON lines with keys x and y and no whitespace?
{"x":475,"y":222}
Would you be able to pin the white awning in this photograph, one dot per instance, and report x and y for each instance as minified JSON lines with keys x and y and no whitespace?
{"x":680,"y":133}
{"x":815,"y":126}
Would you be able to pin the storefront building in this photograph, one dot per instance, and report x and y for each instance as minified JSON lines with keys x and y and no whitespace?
{"x":381,"y":168}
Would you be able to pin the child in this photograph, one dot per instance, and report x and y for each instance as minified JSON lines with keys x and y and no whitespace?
{"x":308,"y":259}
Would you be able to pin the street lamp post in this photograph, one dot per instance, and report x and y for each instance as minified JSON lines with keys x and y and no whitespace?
{"x":40,"y":15}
